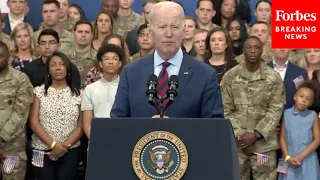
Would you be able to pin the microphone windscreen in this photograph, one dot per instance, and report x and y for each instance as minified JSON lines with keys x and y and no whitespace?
{"x":153,"y":78}
{"x":174,"y":79}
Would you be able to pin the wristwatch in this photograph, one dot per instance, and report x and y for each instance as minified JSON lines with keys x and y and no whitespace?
{"x":258,"y":135}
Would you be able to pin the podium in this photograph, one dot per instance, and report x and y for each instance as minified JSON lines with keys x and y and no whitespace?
{"x":173,"y":148}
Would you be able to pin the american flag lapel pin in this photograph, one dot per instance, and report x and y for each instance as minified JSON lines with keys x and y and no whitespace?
{"x":186,"y":73}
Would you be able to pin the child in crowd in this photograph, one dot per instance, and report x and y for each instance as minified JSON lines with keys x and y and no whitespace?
{"x":300,"y":137}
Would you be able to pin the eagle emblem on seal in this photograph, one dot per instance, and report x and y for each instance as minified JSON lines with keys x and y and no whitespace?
{"x":160,"y":158}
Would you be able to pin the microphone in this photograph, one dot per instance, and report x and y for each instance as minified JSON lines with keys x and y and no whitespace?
{"x":173,"y":86}
{"x":151,"y":91}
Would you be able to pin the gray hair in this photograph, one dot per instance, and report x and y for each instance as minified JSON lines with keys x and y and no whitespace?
{"x":166,"y":4}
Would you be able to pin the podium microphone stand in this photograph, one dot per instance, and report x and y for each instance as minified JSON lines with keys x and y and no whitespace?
{"x":163,"y":108}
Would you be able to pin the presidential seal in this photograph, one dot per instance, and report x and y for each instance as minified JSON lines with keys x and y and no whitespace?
{"x":160,"y":155}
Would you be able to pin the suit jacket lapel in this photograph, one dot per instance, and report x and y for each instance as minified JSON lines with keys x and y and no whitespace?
{"x":7,"y":27}
{"x":289,"y":75}
{"x":148,"y":66}
{"x":184,"y":76}
{"x":146,"y":71}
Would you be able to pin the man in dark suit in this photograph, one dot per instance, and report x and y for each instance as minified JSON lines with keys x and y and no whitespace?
{"x":199,"y":94}
{"x":291,"y":74}
{"x":16,"y":15}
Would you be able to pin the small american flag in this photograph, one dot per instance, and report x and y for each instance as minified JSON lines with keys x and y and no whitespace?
{"x":262,"y":159}
{"x":9,"y":164}
{"x":297,"y":81}
{"x":282,"y":167}
{"x":37,"y":158}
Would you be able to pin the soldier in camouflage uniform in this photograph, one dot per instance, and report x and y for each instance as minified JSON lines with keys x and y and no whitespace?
{"x":260,"y":30}
{"x":66,"y":22}
{"x":297,"y":56}
{"x":253,"y":98}
{"x":126,"y":21}
{"x":16,"y":97}
{"x":65,"y":25}
{"x":145,"y":42}
{"x":110,"y":6}
{"x":83,"y":55}
{"x":54,"y":23}
{"x":6,"y":39}
{"x":205,"y":12}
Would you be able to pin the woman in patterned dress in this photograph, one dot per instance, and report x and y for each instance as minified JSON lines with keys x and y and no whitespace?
{"x":56,"y":122}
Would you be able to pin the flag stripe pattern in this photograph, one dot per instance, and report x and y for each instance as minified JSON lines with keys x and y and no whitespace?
{"x":262,"y":159}
{"x":9,"y":164}
{"x":37,"y":158}
{"x":282,"y":167}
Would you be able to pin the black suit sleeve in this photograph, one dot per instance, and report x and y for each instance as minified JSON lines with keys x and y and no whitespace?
{"x":132,"y":41}
{"x":212,"y":106}
{"x":121,"y":106}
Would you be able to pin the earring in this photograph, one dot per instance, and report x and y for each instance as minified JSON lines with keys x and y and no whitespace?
{"x":49,"y":76}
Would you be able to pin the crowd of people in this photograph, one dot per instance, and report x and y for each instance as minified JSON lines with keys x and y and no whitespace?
{"x":55,"y":78}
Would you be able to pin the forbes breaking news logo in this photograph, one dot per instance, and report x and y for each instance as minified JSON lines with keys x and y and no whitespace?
{"x":295,"y":24}
{"x":295,"y":31}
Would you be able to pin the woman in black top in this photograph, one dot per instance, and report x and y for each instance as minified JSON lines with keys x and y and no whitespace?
{"x":238,"y":34}
{"x":219,"y":51}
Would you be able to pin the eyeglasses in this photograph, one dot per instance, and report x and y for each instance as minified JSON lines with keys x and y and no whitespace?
{"x":114,"y":58}
{"x":50,"y":43}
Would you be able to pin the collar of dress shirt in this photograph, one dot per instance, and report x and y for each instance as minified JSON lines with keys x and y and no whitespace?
{"x":284,"y":66}
{"x":175,"y":60}
{"x":11,"y":20}
{"x":113,"y":83}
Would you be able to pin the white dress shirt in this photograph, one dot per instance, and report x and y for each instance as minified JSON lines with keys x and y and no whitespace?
{"x":175,"y":63}
{"x":99,"y":97}
{"x":13,"y":22}
{"x":281,"y":70}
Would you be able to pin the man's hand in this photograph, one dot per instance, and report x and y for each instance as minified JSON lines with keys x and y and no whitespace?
{"x":246,"y":140}
{"x":158,"y":116}
{"x":2,"y":155}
